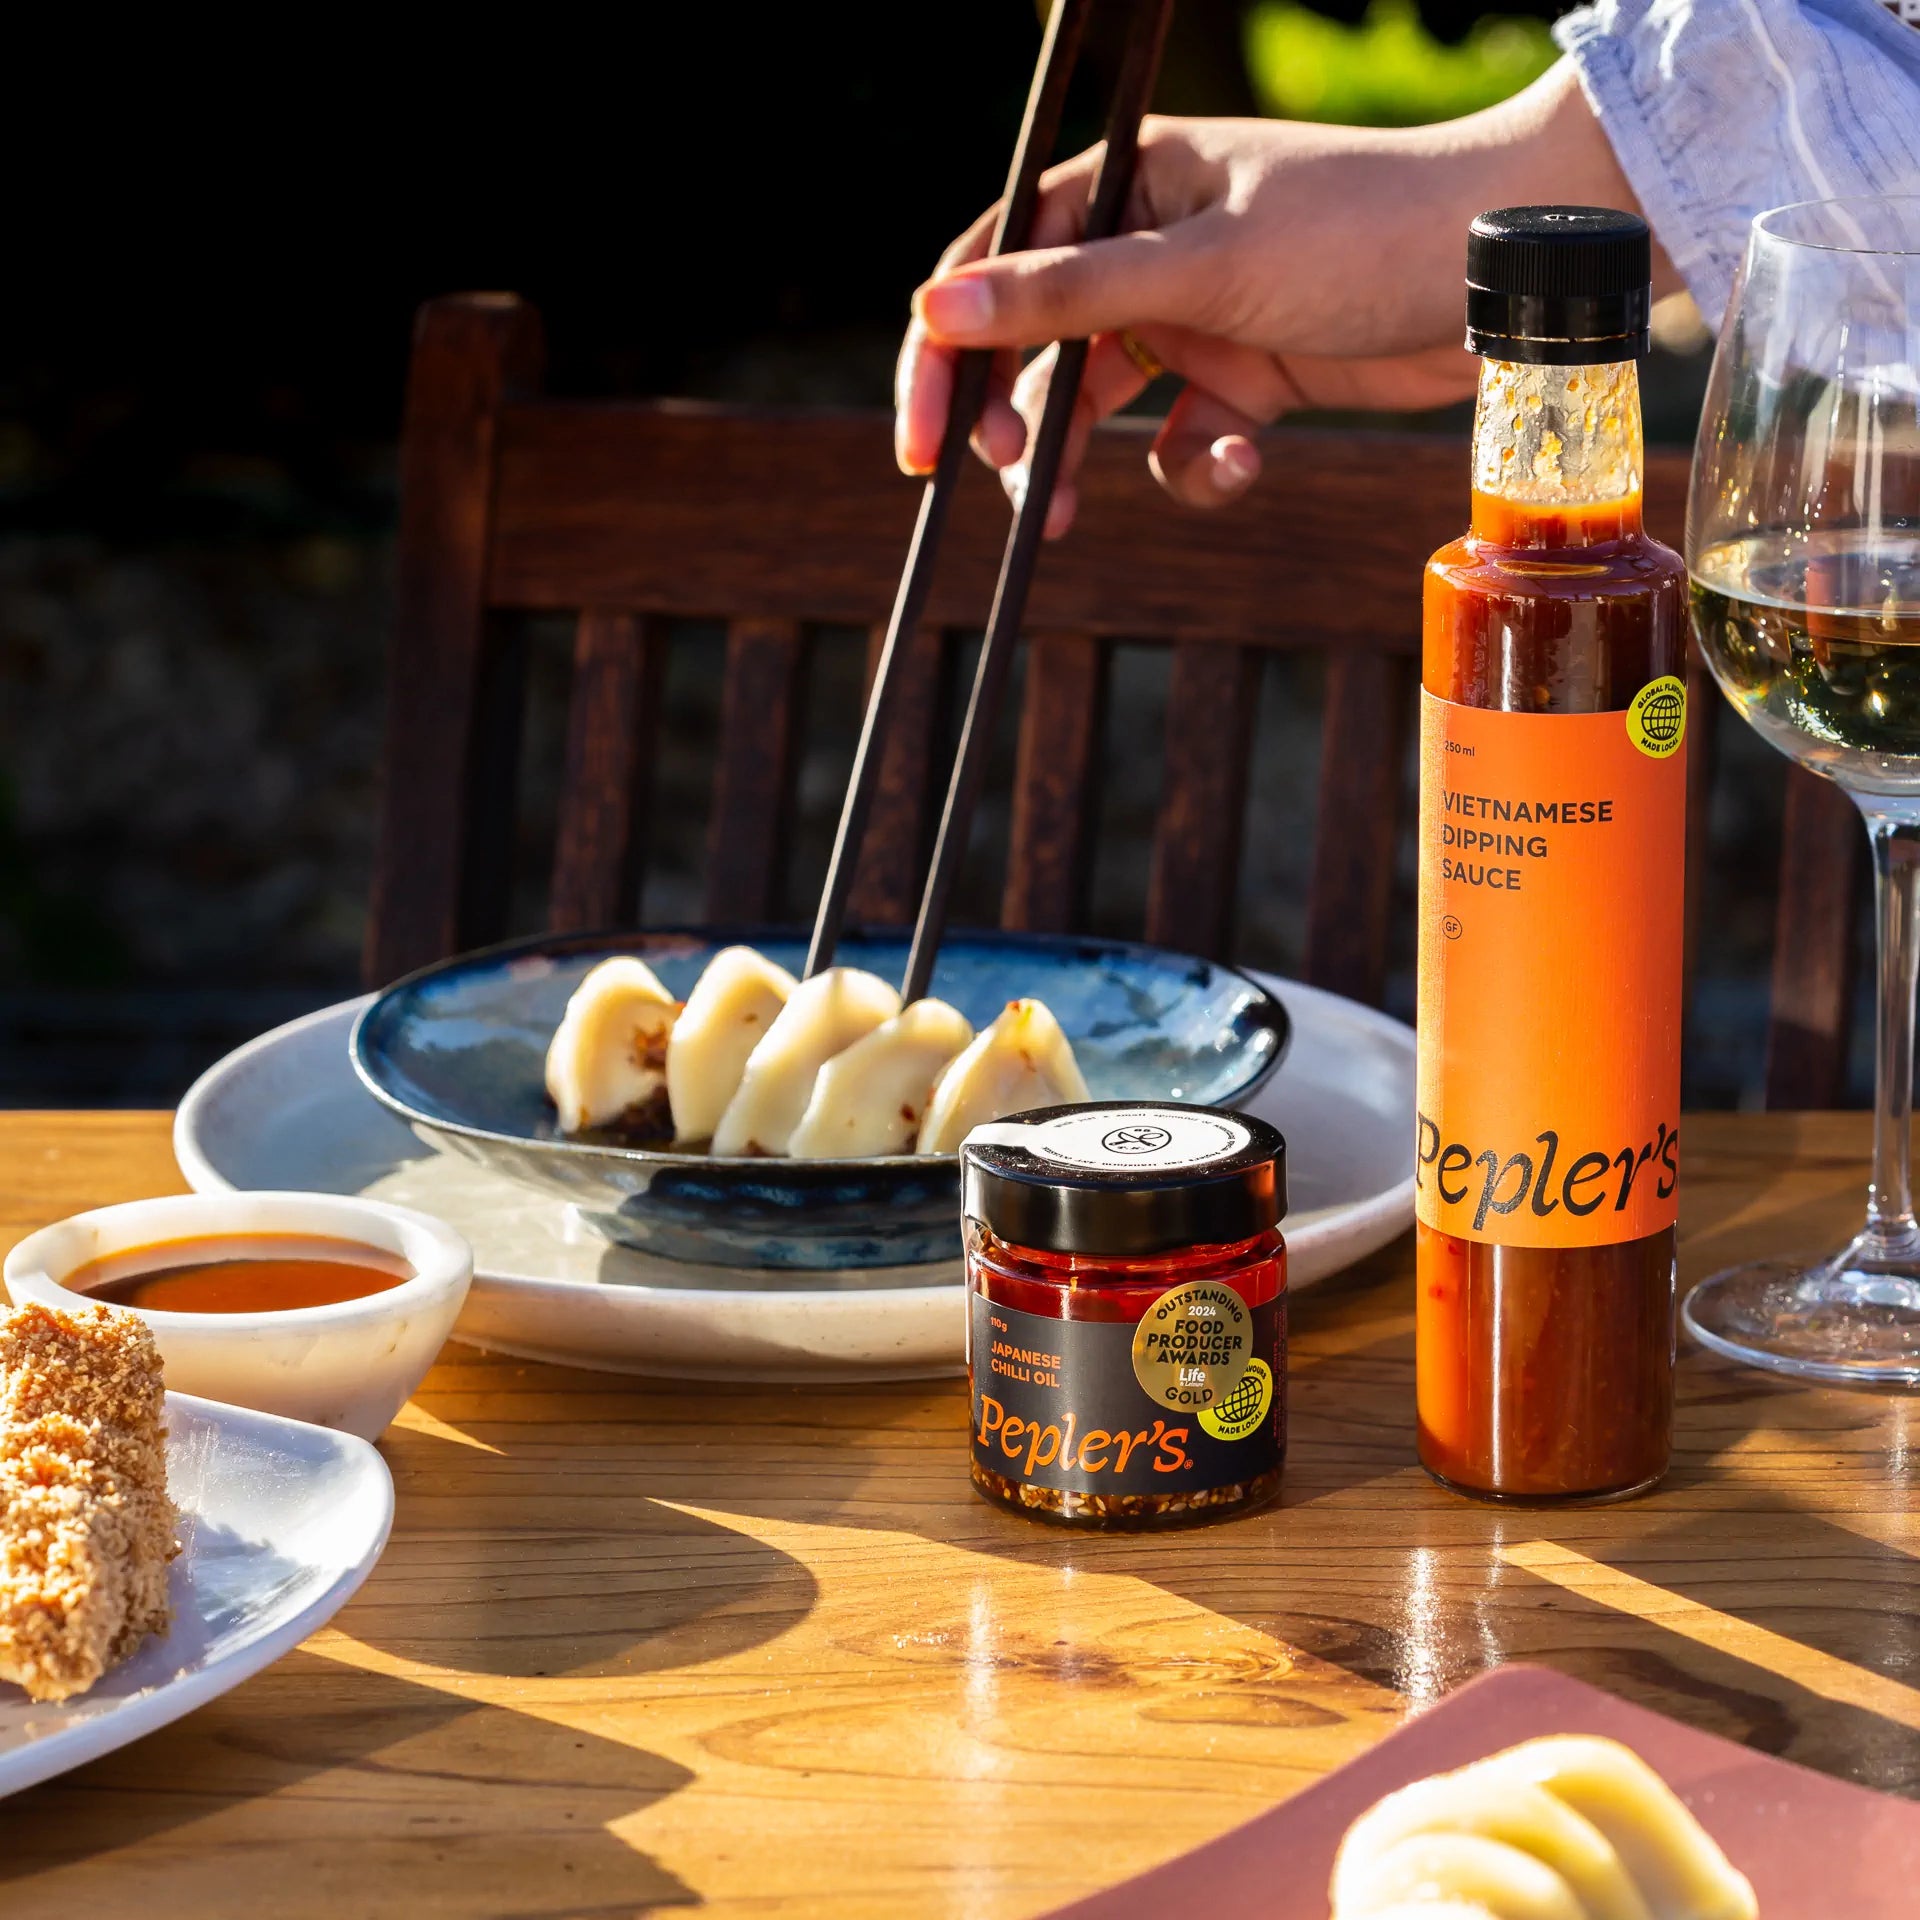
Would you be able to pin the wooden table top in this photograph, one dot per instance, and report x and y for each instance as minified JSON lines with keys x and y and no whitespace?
{"x":637,"y":1646}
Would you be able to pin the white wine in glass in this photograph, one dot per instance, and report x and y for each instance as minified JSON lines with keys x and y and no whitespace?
{"x":1803,"y":546}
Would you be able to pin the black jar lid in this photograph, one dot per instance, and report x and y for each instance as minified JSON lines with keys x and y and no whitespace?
{"x":1560,"y":286}
{"x":1125,"y":1177}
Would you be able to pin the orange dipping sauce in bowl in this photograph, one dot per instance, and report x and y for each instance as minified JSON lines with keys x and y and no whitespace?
{"x":240,"y":1273}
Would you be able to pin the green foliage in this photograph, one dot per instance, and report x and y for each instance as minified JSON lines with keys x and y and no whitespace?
{"x":1389,"y":71}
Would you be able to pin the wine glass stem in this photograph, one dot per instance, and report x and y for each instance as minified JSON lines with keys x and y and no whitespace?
{"x":1896,"y":886}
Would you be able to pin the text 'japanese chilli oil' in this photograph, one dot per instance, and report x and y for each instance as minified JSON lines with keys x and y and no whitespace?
{"x":1552,"y":828}
{"x":1127,"y":1313}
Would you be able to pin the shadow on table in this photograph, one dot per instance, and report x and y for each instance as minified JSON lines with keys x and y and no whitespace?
{"x":319,"y":1784}
{"x":1416,"y":1605}
{"x":1364,"y":1569}
{"x":326,"y":1772}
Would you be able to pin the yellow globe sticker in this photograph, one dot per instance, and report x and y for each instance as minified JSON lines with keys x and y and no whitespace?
{"x":1241,"y":1411}
{"x":1657,"y":716}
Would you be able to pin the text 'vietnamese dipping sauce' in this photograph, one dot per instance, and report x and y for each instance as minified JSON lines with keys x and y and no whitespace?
{"x":1552,"y":832}
{"x":1127,"y":1313}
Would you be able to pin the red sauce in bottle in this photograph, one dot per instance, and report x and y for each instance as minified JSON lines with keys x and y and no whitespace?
{"x":1547,"y":1372}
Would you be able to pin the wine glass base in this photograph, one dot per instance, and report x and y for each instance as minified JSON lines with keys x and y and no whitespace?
{"x":1845,"y":1320}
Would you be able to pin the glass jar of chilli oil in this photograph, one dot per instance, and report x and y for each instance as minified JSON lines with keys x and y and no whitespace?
{"x":1127,"y":1313}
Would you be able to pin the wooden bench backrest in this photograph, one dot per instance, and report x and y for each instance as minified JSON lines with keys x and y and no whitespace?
{"x":628,"y":515}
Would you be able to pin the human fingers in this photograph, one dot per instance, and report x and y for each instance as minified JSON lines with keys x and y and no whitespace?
{"x":1206,"y":453}
{"x":1168,"y":183}
{"x":923,"y":375}
{"x":1000,"y":435}
{"x":925,"y":379}
{"x":922,"y":389}
{"x":1068,"y":293}
{"x":1109,"y":380}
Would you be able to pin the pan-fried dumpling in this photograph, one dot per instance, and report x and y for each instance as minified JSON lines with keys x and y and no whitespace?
{"x":607,"y":1059}
{"x":1434,"y":1910}
{"x":1021,"y":1062}
{"x":1570,"y":1827}
{"x":1519,"y":1815}
{"x":1681,"y":1873}
{"x":1507,"y":1882}
{"x":868,"y":1099}
{"x":729,"y":1012}
{"x":822,"y":1016}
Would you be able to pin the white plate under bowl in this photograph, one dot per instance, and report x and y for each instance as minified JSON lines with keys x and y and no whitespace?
{"x":287,"y":1111}
{"x":280,"y":1523}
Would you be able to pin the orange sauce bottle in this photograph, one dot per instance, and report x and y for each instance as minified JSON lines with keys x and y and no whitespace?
{"x":1551,"y":843}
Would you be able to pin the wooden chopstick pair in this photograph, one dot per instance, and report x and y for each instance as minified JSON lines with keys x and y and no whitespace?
{"x":1039,"y":130}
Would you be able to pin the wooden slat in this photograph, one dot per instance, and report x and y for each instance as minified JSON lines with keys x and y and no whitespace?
{"x":753,"y":784}
{"x":613,"y":716}
{"x":1820,"y":845}
{"x":886,"y":885}
{"x":1211,"y":705}
{"x":453,"y":683}
{"x":1055,"y":783}
{"x":641,"y":507}
{"x":486,"y":862}
{"x":1704,"y":715}
{"x":1363,"y":745}
{"x":662,"y":1647}
{"x":1668,"y":470}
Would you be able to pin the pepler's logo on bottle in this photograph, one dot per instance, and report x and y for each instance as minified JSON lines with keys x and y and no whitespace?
{"x":1477,"y":1187}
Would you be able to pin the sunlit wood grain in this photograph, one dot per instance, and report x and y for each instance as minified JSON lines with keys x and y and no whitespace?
{"x":638,"y":1646}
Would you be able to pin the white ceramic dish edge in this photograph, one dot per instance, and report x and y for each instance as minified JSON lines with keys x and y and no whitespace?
{"x":1350,"y":1068}
{"x":100,"y":1732}
{"x":350,"y":1366}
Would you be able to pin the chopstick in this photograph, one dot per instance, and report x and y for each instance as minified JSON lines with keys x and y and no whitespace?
{"x":1039,"y":132}
{"x":1140,"y":65}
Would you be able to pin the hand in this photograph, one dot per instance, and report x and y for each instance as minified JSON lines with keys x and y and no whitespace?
{"x":1271,"y":264}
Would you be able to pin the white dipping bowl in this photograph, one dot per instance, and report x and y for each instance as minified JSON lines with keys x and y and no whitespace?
{"x":350,"y":1366}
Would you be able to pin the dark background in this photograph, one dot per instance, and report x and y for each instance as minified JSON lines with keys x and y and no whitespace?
{"x":216,"y":255}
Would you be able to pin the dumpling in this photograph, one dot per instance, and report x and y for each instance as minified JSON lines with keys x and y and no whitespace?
{"x":1680,"y":1871}
{"x":1021,"y":1062}
{"x":729,"y":1012}
{"x":608,"y":1056}
{"x":1519,"y":1815}
{"x":1504,"y":1880}
{"x":868,"y":1099}
{"x":822,"y":1016}
{"x":1434,"y":1910}
{"x":1570,"y":1827}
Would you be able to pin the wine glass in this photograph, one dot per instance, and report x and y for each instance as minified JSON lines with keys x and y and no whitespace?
{"x":1803,"y":543}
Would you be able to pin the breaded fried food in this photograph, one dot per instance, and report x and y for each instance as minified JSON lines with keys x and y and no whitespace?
{"x":86,"y":1526}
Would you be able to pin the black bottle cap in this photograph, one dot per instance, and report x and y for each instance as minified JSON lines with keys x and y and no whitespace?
{"x":1125,"y":1177}
{"x":1559,"y":286}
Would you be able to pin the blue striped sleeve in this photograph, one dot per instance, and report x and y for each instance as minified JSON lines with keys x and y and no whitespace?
{"x":1719,"y":109}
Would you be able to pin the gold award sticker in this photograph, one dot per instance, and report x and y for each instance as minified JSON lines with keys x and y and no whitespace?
{"x":1192,"y":1346}
{"x":1657,"y":716}
{"x":1241,"y":1411}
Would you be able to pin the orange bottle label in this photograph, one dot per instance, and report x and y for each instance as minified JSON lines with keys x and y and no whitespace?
{"x":1551,"y":851}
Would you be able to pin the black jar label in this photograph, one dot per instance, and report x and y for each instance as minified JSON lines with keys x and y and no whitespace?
{"x":1065,"y":1403}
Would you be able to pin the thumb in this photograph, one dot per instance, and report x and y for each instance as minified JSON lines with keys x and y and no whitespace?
{"x":1067,"y":293}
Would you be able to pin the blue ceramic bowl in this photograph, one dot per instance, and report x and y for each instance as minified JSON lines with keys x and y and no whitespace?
{"x":459,"y":1052}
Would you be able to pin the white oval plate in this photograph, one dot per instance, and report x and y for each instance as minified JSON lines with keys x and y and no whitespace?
{"x":286,"y":1111}
{"x":280,"y":1523}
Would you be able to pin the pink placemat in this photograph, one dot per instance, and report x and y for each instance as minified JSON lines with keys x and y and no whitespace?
{"x":1814,"y":1848}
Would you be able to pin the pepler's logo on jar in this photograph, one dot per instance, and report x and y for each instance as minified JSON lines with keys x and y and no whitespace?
{"x":1484,"y":1190}
{"x":1184,"y":1400}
